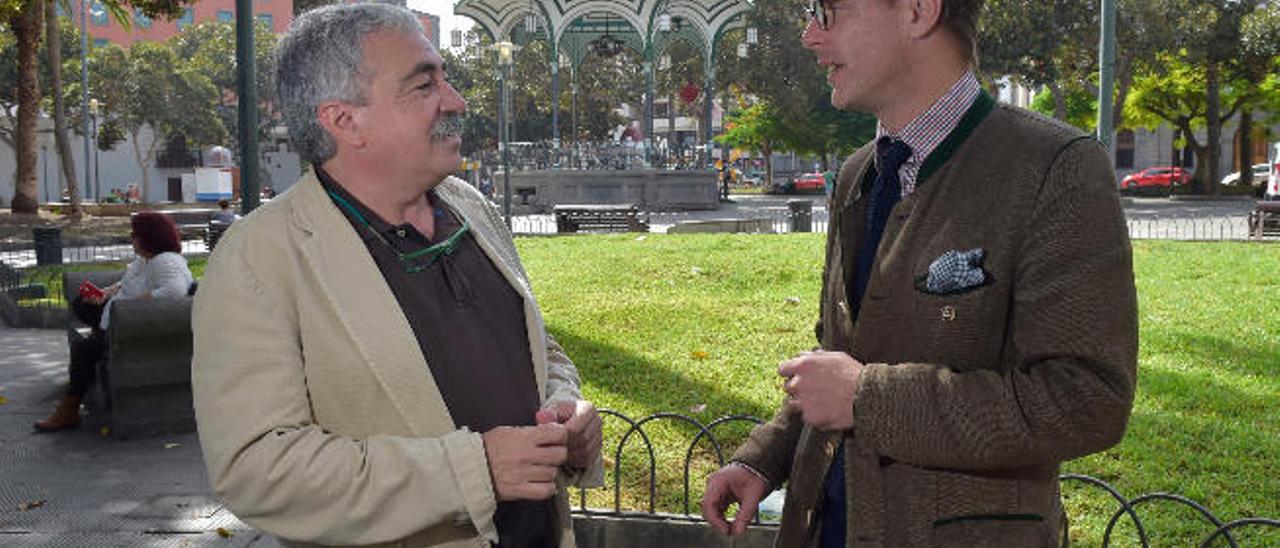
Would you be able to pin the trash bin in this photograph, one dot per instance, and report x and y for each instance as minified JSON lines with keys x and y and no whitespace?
{"x":48,"y":244}
{"x":801,"y":212}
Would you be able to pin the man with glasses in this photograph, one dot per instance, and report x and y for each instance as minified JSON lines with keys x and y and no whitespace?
{"x":978,"y":320}
{"x":371,"y":367}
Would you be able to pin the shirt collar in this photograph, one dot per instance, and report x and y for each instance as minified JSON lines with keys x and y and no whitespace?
{"x":925,"y":132}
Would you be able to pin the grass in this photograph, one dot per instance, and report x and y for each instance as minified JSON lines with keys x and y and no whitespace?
{"x":696,"y":324}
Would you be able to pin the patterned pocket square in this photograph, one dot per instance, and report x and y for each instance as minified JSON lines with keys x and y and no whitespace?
{"x":954,"y":272}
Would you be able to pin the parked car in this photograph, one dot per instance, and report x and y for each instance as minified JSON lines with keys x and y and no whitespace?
{"x":809,"y":182}
{"x":1162,"y":176}
{"x":1260,"y":174}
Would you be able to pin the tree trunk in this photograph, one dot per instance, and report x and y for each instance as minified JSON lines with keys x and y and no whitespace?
{"x":1059,"y":101}
{"x":144,"y":161}
{"x":767,"y":150}
{"x":1124,"y":80}
{"x":1246,"y":148}
{"x":1214,"y":119}
{"x":26,"y":29}
{"x":54,"y":48}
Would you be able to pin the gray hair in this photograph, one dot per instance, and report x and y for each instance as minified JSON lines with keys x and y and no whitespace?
{"x":320,"y":59}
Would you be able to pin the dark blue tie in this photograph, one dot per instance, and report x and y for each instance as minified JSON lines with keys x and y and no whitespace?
{"x":886,"y":191}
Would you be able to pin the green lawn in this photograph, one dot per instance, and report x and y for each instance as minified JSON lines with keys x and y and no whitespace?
{"x":696,"y":324}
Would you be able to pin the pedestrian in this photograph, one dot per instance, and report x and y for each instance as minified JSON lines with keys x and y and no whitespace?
{"x":371,"y":367}
{"x":224,"y":214}
{"x":978,"y":319}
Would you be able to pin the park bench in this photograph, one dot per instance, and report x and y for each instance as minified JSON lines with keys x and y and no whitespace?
{"x":1264,"y":221}
{"x":602,"y":217}
{"x":143,"y":385}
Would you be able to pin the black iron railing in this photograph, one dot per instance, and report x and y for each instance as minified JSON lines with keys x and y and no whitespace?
{"x":635,"y":429}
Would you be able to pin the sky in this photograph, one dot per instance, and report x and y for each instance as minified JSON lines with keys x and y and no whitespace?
{"x":448,"y":21}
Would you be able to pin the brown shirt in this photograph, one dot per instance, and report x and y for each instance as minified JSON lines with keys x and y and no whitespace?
{"x":470,"y":324}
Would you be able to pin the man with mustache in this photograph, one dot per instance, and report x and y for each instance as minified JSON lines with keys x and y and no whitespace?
{"x":978,"y":321}
{"x":371,"y":367}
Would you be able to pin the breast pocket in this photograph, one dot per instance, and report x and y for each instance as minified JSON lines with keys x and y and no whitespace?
{"x":964,"y":331}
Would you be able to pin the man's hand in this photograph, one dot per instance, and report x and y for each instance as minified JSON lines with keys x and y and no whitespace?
{"x":821,"y":385}
{"x":523,"y":460}
{"x":731,"y":484}
{"x":583,"y":423}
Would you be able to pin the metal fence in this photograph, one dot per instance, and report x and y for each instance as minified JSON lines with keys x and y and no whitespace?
{"x":780,"y":220}
{"x":635,"y":433}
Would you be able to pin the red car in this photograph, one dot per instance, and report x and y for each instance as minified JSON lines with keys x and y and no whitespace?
{"x":1156,"y":177}
{"x":809,"y":182}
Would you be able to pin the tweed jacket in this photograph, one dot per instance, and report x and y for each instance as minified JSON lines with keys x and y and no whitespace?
{"x":969,"y":401}
{"x":318,"y":415}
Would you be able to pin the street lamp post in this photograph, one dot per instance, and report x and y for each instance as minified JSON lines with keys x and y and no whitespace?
{"x":93,"y":111}
{"x":505,"y":49}
{"x":84,"y":87}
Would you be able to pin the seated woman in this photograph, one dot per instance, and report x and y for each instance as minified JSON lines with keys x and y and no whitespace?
{"x":159,"y":271}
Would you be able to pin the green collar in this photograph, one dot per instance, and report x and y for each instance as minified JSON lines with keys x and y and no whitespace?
{"x":977,"y":112}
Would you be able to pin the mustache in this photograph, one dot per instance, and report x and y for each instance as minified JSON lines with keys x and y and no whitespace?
{"x":448,"y":126}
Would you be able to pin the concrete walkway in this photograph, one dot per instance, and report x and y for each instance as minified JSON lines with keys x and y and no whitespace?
{"x":79,"y":489}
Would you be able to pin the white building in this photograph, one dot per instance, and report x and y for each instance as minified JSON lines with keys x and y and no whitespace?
{"x":118,"y":168}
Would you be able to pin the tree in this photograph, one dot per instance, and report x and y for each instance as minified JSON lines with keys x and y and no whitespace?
{"x":210,"y":49}
{"x":1174,"y":92}
{"x":25,"y":18}
{"x":1041,"y":43}
{"x":152,"y":89}
{"x":25,"y":22}
{"x":53,"y":34}
{"x":1210,"y":32}
{"x":1259,"y":69}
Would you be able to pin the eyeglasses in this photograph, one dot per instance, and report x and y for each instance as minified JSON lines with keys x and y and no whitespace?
{"x":821,"y":13}
{"x":412,"y":262}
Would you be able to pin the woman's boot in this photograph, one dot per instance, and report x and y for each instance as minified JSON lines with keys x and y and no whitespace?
{"x":66,"y":415}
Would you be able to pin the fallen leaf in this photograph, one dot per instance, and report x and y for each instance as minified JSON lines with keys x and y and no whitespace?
{"x":172,"y":445}
{"x":793,"y":300}
{"x":608,"y":461}
{"x":29,"y":505}
{"x":222,"y":532}
{"x":3,"y":401}
{"x":104,"y":431}
{"x":699,"y":354}
{"x":784,"y":330}
{"x":698,"y":408}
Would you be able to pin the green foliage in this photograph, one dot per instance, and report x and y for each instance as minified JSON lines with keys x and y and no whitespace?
{"x":1082,"y":108}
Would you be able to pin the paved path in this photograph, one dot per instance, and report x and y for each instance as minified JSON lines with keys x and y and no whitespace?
{"x":78,"y":489}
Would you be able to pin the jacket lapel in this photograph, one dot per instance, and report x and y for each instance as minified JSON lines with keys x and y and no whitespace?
{"x":368,"y":310}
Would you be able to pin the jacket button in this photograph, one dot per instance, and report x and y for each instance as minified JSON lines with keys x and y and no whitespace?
{"x":948,"y":313}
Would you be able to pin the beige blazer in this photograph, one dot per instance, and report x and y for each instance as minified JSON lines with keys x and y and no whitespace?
{"x":318,"y":416}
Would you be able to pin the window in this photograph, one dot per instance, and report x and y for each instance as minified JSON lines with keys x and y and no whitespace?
{"x":225,"y":16}
{"x":141,"y":18}
{"x":265,"y":18}
{"x":186,"y":19}
{"x":1124,"y":149}
{"x":100,"y":42}
{"x":98,"y":13}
